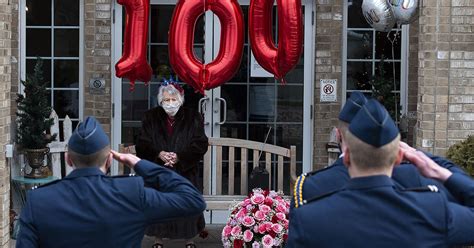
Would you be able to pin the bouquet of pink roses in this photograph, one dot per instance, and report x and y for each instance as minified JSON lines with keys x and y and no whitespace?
{"x":261,"y":220}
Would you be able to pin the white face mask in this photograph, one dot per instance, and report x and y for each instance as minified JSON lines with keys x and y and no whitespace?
{"x":171,"y":108}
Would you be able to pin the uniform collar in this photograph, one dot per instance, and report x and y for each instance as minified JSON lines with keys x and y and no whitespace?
{"x":370,"y":182}
{"x":83,"y":172}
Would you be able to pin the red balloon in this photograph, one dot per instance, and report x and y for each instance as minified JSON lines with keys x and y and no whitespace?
{"x":181,"y":38}
{"x":279,"y":61}
{"x":133,"y":63}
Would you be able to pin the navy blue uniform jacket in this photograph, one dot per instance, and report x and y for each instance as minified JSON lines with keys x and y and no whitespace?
{"x":90,"y":209}
{"x":373,"y":212}
{"x":336,"y":176}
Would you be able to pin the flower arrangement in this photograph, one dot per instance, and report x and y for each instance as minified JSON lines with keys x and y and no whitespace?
{"x":259,"y":221}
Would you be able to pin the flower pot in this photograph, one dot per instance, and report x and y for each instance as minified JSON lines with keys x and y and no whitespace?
{"x":35,"y":158}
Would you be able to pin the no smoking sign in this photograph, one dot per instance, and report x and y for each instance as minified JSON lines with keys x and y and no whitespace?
{"x":328,"y":90}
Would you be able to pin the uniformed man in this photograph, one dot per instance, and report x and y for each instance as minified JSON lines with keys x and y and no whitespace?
{"x":371,"y":211}
{"x":335,"y":176}
{"x":89,"y":209}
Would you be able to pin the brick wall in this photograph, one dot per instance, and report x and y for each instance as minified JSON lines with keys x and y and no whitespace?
{"x":5,"y":117}
{"x":97,"y":53}
{"x":446,"y":74}
{"x":329,"y":28}
{"x":412,"y":82}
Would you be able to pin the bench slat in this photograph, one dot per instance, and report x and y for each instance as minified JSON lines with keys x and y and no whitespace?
{"x":268,"y":166}
{"x":231,"y":170}
{"x":207,"y":172}
{"x":252,"y":145}
{"x":255,"y":158}
{"x":280,"y":172}
{"x":243,"y":171}
{"x":218,"y":170}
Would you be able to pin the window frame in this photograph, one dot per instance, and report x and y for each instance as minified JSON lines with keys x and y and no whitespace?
{"x":80,"y":58}
{"x":404,"y":61}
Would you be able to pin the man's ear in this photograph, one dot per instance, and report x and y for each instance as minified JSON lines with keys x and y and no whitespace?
{"x":399,"y":157}
{"x":338,"y":135}
{"x":347,"y":157}
{"x":68,"y":159}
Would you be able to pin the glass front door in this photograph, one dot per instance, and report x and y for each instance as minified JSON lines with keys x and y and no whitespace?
{"x":245,"y":107}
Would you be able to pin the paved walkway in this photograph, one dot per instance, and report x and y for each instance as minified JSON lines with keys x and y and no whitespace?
{"x":212,"y":241}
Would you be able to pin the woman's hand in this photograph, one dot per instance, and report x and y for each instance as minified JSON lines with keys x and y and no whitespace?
{"x":167,"y":158}
{"x":174,"y":158}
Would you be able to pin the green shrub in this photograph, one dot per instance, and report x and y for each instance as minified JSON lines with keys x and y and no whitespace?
{"x":462,"y":153}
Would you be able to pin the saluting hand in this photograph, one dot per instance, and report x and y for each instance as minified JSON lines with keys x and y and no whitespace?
{"x":427,"y":166}
{"x":128,"y":159}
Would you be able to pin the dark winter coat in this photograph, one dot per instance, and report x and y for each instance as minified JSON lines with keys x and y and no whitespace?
{"x":188,"y":140}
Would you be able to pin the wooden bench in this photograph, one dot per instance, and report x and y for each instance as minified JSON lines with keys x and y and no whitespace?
{"x":217,"y":197}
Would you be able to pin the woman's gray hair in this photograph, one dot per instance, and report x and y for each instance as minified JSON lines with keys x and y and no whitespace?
{"x":172,"y":91}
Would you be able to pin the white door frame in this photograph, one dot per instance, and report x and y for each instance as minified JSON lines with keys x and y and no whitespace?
{"x":309,"y":51}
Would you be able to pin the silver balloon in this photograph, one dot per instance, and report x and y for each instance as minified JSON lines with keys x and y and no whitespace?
{"x":405,"y":11}
{"x":378,"y":13}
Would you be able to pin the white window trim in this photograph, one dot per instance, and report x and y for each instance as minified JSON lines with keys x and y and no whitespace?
{"x":404,"y":61}
{"x":22,"y":52}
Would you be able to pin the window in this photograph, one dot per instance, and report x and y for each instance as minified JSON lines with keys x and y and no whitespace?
{"x":367,"y":52}
{"x":52,"y":30}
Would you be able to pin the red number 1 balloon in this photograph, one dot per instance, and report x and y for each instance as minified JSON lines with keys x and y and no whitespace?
{"x":181,"y":38}
{"x":279,"y":61}
{"x":133,"y":64}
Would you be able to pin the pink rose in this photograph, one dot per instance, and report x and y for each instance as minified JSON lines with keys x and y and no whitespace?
{"x":257,"y":198}
{"x":281,"y":208}
{"x":285,"y":223}
{"x":246,"y":202}
{"x":262,"y":228}
{"x":248,"y":236}
{"x":259,"y":215}
{"x":255,"y":229}
{"x":277,"y":228}
{"x":226,"y":231}
{"x":268,"y":226}
{"x":281,"y":216}
{"x":267,"y":241}
{"x":264,"y":208}
{"x":242,"y":212}
{"x":268,"y":201}
{"x":255,"y":244}
{"x":248,"y":221}
{"x":236,"y":230}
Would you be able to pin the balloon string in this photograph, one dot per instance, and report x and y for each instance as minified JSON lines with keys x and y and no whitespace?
{"x":392,"y":41}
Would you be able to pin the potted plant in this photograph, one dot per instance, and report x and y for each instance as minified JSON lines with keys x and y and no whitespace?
{"x":259,"y":221}
{"x":462,"y":154}
{"x":34,"y":122}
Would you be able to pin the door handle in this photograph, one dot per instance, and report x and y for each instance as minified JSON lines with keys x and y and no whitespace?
{"x":201,"y":101}
{"x":219,"y":99}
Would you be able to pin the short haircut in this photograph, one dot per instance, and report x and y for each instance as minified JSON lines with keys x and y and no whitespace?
{"x":368,"y":157}
{"x":96,"y":159}
{"x":172,"y":91}
{"x":343,"y":127}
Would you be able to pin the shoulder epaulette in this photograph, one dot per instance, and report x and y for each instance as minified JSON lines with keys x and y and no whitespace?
{"x":320,"y":196}
{"x":46,"y":184}
{"x":298,"y":189}
{"x":427,"y":188}
{"x":126,"y":175}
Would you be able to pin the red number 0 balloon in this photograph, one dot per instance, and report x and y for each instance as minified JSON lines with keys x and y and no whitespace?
{"x":279,"y":61}
{"x":181,"y":38}
{"x":133,"y":64}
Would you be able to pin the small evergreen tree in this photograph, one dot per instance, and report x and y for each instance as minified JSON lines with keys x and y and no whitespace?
{"x":382,"y":88}
{"x":462,"y":154}
{"x":34,"y":112}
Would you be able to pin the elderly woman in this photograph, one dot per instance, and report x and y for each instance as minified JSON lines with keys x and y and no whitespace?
{"x":173,"y":136}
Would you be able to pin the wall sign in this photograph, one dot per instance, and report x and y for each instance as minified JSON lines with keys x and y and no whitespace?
{"x":328,"y":89}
